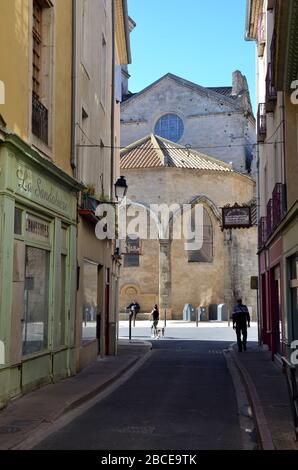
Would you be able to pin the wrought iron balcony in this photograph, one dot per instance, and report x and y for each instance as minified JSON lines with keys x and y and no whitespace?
{"x":262,"y":122}
{"x":278,"y":204}
{"x":40,"y":120}
{"x":271,"y":93}
{"x":269,"y":218}
{"x":262,"y":231}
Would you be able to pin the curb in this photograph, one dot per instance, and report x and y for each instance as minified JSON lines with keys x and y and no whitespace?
{"x":129,"y":369}
{"x":260,"y":419}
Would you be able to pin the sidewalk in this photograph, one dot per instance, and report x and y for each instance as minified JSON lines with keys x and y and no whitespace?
{"x":25,"y":416}
{"x":268,"y":393}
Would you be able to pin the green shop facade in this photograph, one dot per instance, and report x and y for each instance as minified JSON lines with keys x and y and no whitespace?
{"x":38,"y":210}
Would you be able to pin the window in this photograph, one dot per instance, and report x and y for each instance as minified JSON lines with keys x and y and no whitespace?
{"x":90,"y":280}
{"x":132,"y":253}
{"x":205,"y":254}
{"x":18,"y":221}
{"x":61,"y":334}
{"x":37,"y":47}
{"x":170,"y":127}
{"x":40,"y":118}
{"x":36,"y":301}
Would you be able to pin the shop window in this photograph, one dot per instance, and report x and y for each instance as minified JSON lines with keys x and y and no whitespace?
{"x":63,"y":304}
{"x":205,"y":253}
{"x":36,"y":301}
{"x":90,"y":297}
{"x":18,"y":221}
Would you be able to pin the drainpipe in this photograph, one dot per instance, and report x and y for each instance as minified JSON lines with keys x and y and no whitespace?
{"x":284,"y":167}
{"x":73,"y":154}
{"x":73,"y":157}
{"x":113,"y":100}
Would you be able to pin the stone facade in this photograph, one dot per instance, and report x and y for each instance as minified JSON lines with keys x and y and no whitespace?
{"x":217,"y":121}
{"x":164,"y":275}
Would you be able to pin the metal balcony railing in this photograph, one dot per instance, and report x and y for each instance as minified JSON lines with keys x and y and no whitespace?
{"x":269,"y":218}
{"x":271,"y":93}
{"x":262,"y":231}
{"x":40,"y":120}
{"x":262,"y":122}
{"x":278,"y":204}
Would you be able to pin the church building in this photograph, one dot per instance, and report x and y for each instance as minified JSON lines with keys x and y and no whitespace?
{"x":163,"y":270}
{"x":215,"y":120}
{"x":184,"y":144}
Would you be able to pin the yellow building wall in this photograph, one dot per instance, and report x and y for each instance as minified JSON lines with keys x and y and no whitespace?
{"x":15,"y":72}
{"x":14,"y":61}
{"x":62,"y":86}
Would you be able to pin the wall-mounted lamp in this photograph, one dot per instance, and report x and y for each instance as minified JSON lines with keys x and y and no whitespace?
{"x":120,"y":188}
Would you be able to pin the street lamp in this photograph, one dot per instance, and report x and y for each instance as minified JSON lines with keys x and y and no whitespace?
{"x":120,"y":188}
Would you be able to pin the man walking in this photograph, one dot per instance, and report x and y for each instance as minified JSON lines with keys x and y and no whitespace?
{"x":134,"y":308}
{"x":241,"y":321}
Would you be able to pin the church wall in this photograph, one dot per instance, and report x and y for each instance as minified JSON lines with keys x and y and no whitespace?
{"x":199,"y":284}
{"x":141,"y":283}
{"x":208,"y":121}
{"x":194,"y":283}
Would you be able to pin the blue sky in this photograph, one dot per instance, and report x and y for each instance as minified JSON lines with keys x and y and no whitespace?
{"x":199,"y":40}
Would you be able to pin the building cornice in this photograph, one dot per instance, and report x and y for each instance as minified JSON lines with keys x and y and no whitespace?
{"x":253,"y":11}
{"x":123,"y":25}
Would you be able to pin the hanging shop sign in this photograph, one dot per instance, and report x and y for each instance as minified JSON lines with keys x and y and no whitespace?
{"x":236,"y":217}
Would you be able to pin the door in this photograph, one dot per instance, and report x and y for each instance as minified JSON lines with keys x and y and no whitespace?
{"x":107,"y":311}
{"x":276,"y":310}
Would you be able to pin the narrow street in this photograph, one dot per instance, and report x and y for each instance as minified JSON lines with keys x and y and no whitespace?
{"x":148,"y":230}
{"x":182,"y":398}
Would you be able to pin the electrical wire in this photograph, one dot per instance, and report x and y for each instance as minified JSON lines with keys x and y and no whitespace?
{"x":184,"y":148}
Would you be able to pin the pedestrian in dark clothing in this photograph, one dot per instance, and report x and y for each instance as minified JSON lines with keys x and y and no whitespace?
{"x":241,"y":321}
{"x":155,"y":319}
{"x":134,"y":308}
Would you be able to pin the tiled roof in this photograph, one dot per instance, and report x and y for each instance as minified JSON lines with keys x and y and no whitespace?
{"x":222,"y":90}
{"x":153,"y":152}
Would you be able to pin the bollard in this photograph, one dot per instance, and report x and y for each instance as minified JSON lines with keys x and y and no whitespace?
{"x":129,"y":328}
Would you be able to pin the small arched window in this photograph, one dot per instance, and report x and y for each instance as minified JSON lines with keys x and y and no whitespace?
{"x":170,"y":126}
{"x":205,"y":254}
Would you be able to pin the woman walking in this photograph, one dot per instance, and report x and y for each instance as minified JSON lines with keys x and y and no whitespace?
{"x":155,"y":318}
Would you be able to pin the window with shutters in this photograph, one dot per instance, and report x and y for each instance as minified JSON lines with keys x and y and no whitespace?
{"x":42,"y":51}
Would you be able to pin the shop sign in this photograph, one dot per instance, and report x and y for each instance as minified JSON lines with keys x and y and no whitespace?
{"x":236,"y":217}
{"x":43,"y":191}
{"x":37,"y":229}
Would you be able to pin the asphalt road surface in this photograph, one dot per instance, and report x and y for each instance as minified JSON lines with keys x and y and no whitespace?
{"x":182,"y":398}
